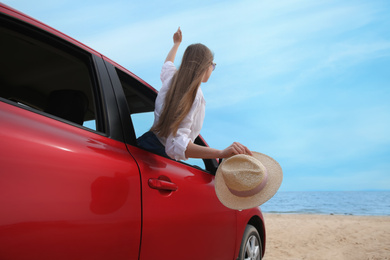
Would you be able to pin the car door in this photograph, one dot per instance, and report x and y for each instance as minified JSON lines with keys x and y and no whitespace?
{"x":69,"y":189}
{"x":181,"y":216}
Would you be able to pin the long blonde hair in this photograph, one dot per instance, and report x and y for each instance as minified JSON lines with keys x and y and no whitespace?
{"x":181,"y":94}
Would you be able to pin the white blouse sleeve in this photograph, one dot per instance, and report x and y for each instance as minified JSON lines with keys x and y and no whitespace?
{"x":176,"y":146}
{"x":167,"y":71}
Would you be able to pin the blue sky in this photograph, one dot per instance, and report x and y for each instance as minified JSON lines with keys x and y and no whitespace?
{"x":306,"y":82}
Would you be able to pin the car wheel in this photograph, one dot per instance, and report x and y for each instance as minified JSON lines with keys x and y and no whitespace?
{"x":251,"y":244}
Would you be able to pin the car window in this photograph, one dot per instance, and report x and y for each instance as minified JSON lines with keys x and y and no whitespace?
{"x":43,"y":74}
{"x":141,"y":107}
{"x":142,"y":122}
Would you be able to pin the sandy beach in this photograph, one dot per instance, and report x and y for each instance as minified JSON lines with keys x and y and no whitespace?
{"x":336,"y":237}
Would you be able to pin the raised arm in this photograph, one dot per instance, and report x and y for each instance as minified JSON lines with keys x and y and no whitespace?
{"x":177,"y":38}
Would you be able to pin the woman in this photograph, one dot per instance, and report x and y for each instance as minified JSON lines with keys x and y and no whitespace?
{"x":180,"y":107}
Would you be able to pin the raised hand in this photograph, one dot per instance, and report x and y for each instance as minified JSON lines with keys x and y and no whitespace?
{"x":177,"y":37}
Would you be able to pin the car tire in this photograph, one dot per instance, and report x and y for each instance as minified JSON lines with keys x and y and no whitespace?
{"x":251,"y":248}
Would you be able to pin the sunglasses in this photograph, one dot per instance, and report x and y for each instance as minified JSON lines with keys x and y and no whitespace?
{"x":214,"y":64}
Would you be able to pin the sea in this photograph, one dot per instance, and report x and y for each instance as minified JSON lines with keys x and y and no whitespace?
{"x":359,"y":203}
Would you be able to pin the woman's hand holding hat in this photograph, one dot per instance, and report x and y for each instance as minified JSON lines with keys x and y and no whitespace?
{"x":234,"y":149}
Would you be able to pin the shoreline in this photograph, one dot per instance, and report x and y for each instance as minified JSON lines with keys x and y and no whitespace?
{"x":317,"y":236}
{"x":358,"y":203}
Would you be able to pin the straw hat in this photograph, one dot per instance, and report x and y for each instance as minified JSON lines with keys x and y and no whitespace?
{"x":244,"y":181}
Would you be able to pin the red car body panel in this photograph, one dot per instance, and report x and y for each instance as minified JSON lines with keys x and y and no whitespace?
{"x":186,"y":214}
{"x":58,"y":194}
{"x":70,"y":193}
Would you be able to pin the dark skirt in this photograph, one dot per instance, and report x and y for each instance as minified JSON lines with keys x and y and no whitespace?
{"x":149,"y":141}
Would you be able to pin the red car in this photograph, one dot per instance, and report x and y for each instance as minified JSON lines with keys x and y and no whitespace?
{"x":74,"y":184}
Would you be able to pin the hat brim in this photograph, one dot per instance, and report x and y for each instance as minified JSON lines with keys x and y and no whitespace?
{"x":275,"y":177}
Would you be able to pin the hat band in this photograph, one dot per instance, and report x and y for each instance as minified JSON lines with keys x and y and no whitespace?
{"x":251,"y":192}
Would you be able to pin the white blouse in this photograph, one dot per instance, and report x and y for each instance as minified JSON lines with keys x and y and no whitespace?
{"x":189,"y":128}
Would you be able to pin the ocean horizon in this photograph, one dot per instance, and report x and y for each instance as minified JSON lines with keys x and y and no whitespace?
{"x":360,"y":203}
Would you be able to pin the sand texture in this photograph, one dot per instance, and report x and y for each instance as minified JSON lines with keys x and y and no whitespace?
{"x":336,"y":237}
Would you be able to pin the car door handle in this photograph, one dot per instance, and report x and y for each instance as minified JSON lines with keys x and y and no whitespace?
{"x":162,"y":185}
